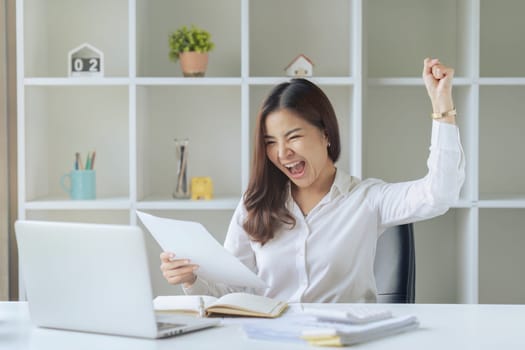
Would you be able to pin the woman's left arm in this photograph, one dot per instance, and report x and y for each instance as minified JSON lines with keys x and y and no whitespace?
{"x":403,"y":202}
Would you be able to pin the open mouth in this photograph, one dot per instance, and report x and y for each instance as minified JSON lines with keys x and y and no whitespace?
{"x":296,"y":169}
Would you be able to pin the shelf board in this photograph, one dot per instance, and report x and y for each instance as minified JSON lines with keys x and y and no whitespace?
{"x":501,"y":201}
{"x":174,"y":81}
{"x":50,"y":203}
{"x":167,"y":203}
{"x":501,"y":81}
{"x":412,"y":81}
{"x":76,"y":81}
{"x":463,"y":203}
{"x":326,"y":81}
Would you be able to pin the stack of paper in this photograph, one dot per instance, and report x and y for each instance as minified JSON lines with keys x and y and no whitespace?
{"x":338,"y":333}
{"x":318,"y":330}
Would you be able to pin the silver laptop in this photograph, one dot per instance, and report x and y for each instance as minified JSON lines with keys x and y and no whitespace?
{"x":92,"y":278}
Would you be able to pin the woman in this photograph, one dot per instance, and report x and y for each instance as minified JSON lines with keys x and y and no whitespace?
{"x":308,"y":229}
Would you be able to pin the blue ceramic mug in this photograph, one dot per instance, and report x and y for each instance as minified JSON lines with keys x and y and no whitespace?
{"x":79,"y":184}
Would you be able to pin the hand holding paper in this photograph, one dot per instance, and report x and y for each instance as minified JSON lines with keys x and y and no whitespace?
{"x":177,"y":271}
{"x":191,"y":240}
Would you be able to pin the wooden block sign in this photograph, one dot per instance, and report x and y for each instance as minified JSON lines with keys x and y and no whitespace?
{"x":201,"y":188}
{"x":86,"y":61}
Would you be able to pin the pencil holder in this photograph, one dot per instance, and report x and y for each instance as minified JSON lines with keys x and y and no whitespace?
{"x":79,"y":184}
{"x":182,"y":189}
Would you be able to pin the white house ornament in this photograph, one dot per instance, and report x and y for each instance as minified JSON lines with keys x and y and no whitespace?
{"x":300,"y":66}
{"x":86,"y":61}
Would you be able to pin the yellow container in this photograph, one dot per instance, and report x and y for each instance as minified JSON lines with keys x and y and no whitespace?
{"x":201,"y":188}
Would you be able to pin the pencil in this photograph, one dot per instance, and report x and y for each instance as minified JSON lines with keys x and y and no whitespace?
{"x":76,"y":161}
{"x":79,"y":161}
{"x":88,"y":161}
{"x":93,"y":159}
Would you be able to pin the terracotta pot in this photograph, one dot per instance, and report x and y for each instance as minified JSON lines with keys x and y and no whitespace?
{"x":193,"y":64}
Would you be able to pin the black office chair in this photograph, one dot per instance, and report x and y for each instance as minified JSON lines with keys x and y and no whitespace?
{"x":395,"y":265}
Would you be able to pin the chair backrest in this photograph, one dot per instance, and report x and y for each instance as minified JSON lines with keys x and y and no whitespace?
{"x":395,"y":265}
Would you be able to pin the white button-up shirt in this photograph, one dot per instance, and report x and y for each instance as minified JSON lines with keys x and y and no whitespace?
{"x":329,"y":255}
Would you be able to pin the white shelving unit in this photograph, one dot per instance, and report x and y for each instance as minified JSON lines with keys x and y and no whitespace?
{"x":368,"y":57}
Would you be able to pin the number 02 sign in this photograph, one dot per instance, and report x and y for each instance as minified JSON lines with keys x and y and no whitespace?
{"x":86,"y":61}
{"x":91,"y":64}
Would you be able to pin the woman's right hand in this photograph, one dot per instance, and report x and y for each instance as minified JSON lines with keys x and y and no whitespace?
{"x":177,"y":271}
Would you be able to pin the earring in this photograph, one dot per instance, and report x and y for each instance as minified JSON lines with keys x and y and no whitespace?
{"x":329,"y":144}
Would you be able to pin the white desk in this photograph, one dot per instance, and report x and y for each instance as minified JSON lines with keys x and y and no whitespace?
{"x":476,"y":327}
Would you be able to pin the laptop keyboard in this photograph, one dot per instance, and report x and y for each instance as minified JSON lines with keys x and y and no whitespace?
{"x":165,"y":325}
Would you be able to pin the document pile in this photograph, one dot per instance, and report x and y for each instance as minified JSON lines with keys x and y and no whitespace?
{"x":324,"y":326}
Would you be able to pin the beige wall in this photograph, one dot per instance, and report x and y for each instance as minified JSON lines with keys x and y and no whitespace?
{"x":4,"y":188}
{"x":8,"y":196}
{"x":12,"y":108}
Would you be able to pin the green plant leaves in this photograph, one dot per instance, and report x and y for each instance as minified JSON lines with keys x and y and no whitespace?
{"x":186,"y":40}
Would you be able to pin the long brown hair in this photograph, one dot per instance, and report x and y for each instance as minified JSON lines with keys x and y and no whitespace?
{"x":265,"y":198}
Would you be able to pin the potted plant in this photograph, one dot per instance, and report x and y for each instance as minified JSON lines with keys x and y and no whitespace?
{"x":190,"y":46}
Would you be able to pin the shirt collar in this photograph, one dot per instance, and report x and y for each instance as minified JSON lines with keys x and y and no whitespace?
{"x":343,"y":183}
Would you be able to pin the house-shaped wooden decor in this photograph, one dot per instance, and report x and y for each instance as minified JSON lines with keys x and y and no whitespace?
{"x":301,"y":66}
{"x":86,"y":61}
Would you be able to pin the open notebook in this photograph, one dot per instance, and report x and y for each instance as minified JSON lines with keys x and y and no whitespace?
{"x":236,"y":304}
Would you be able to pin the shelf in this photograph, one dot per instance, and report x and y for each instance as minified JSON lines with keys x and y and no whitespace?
{"x":501,"y":38}
{"x":53,"y":28}
{"x":372,"y":76}
{"x":157,"y":19}
{"x":399,"y":36}
{"x":407,"y":81}
{"x":210,"y":153}
{"x":204,"y":81}
{"x":62,"y":120}
{"x":501,"y":81}
{"x":501,"y":143}
{"x":323,"y":81}
{"x":226,"y":81}
{"x":463,"y":204}
{"x":65,"y":204}
{"x":76,"y":81}
{"x":166,"y":203}
{"x":437,"y":258}
{"x":501,"y":258}
{"x":396,"y":140}
{"x":84,"y":215}
{"x":281,"y":30}
{"x":501,"y":201}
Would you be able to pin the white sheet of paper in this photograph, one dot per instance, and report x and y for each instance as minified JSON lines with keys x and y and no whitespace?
{"x":191,"y":240}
